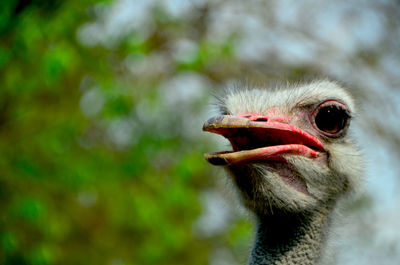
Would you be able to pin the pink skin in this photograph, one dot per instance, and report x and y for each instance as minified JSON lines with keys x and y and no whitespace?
{"x":289,"y":133}
{"x":299,"y":142}
{"x":271,"y":116}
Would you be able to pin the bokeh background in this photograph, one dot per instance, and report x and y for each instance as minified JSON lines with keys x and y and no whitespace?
{"x":101,"y":109}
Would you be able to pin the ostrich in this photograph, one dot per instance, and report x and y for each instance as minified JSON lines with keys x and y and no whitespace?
{"x":292,"y":160}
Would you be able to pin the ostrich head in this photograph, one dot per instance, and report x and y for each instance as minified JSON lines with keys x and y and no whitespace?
{"x":291,"y":148}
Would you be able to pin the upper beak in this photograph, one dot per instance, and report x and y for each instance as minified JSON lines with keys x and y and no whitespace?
{"x":259,"y":138}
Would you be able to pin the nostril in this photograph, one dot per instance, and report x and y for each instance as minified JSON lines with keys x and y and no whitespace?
{"x":254,"y":117}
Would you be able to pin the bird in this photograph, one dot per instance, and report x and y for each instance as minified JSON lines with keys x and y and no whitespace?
{"x":293,"y":159}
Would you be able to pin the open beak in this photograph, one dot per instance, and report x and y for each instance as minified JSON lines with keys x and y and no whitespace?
{"x":259,"y":138}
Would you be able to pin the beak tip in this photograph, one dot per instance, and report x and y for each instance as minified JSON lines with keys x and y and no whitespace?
{"x":215,"y":160}
{"x":210,"y":123}
{"x":206,"y":127}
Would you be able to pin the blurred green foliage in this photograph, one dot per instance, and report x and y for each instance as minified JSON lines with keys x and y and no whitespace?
{"x":73,"y":192}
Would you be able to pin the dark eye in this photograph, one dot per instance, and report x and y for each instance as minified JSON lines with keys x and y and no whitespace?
{"x":331,"y":118}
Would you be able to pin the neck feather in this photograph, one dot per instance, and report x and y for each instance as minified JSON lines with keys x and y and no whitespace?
{"x":290,"y":238}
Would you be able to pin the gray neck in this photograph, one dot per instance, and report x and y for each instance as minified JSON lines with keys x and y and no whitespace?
{"x":290,"y":238}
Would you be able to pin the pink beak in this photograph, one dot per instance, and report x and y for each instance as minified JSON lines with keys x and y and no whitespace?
{"x":259,"y":138}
